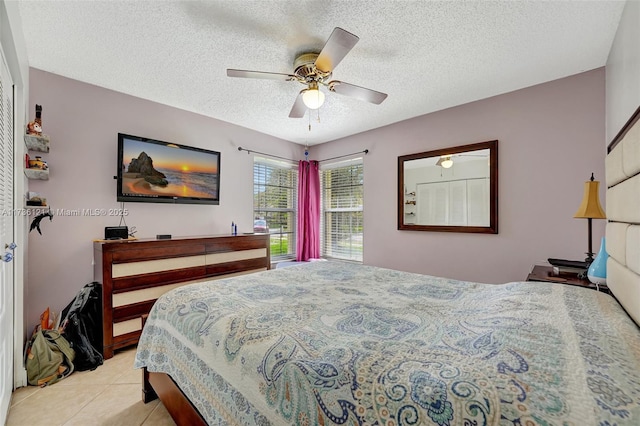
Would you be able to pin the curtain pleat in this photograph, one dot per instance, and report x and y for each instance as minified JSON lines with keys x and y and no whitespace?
{"x":308,"y":238}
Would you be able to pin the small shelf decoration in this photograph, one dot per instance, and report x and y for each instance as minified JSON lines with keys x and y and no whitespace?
{"x":37,"y":163}
{"x":35,"y":200}
{"x":35,"y":127}
{"x":35,"y":223}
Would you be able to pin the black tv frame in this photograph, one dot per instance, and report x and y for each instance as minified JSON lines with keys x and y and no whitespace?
{"x":168,"y":199}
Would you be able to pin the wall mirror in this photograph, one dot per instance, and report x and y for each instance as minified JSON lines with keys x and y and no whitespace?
{"x":450,"y":189}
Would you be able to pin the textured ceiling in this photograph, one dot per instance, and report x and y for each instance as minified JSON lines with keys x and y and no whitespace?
{"x":426,"y":55}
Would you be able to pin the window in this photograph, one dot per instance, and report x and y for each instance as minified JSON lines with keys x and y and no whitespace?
{"x":342,"y":213}
{"x":275,"y":187}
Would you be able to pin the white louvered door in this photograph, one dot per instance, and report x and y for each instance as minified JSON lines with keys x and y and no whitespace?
{"x":6,"y":238}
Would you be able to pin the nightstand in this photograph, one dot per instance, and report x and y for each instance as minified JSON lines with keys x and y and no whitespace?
{"x":546,"y":274}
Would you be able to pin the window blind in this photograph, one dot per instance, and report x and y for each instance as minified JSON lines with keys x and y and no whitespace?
{"x":341,"y":225}
{"x":275,"y":187}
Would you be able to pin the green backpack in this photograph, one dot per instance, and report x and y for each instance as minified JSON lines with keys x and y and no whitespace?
{"x":49,"y":358}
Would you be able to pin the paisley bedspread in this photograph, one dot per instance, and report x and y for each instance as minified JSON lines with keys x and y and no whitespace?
{"x":333,"y":343}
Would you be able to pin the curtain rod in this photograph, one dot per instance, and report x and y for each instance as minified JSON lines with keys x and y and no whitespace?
{"x":249,"y":151}
{"x":366,"y":151}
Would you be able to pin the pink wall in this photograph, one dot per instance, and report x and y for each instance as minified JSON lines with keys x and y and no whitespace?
{"x":551,"y":137}
{"x":83,"y":122}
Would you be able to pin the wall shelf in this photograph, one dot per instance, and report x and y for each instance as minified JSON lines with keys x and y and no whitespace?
{"x":37,"y":143}
{"x":37,"y":174}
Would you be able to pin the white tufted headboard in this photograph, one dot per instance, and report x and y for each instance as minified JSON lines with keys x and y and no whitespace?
{"x":623,"y":214}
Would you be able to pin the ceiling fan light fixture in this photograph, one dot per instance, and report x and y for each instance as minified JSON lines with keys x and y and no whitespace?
{"x":445,"y":161}
{"x":312,"y":97}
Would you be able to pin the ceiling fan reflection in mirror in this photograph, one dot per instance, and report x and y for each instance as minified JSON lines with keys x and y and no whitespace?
{"x":314,"y":70}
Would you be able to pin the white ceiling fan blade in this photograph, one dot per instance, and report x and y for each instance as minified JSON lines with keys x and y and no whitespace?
{"x":299,"y":108}
{"x":340,"y":42}
{"x":357,"y":92}
{"x":260,"y":74}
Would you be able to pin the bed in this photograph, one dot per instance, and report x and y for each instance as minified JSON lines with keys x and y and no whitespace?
{"x":332,"y":343}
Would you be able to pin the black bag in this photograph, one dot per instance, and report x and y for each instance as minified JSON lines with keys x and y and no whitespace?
{"x":82,"y":327}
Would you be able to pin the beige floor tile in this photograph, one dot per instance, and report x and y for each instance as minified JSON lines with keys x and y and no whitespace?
{"x":118,"y":405}
{"x":22,"y":393}
{"x":52,"y":405}
{"x":128,"y":354}
{"x":130,"y":375}
{"x":159,"y":417}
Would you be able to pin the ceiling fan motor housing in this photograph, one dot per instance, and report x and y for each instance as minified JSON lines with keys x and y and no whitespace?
{"x":305,"y":68}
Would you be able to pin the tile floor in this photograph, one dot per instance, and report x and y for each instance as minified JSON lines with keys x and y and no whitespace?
{"x":109,"y":395}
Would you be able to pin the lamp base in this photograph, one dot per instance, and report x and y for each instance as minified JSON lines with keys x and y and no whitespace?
{"x":589,"y":259}
{"x":583,"y":275}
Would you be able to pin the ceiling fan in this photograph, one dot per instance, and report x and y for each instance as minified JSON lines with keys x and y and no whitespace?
{"x":315,"y":70}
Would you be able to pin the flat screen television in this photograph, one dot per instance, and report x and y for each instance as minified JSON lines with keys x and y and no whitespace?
{"x":153,"y":171}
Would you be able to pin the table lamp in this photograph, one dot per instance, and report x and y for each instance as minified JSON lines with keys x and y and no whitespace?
{"x":590,"y":209}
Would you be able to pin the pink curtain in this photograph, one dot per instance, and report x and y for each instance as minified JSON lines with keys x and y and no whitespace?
{"x":308,"y":244}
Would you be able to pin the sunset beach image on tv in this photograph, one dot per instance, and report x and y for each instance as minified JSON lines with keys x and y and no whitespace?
{"x":156,"y":171}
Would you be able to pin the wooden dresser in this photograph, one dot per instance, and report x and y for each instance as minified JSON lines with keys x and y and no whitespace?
{"x":135,"y":273}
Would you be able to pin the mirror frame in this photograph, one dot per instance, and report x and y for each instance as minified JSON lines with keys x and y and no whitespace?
{"x":492,"y":146}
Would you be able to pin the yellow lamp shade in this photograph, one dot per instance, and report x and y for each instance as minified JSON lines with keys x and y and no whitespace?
{"x":590,"y":207}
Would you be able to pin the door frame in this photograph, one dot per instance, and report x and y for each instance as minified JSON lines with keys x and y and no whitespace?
{"x":14,"y":48}
{"x":20,"y":223}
